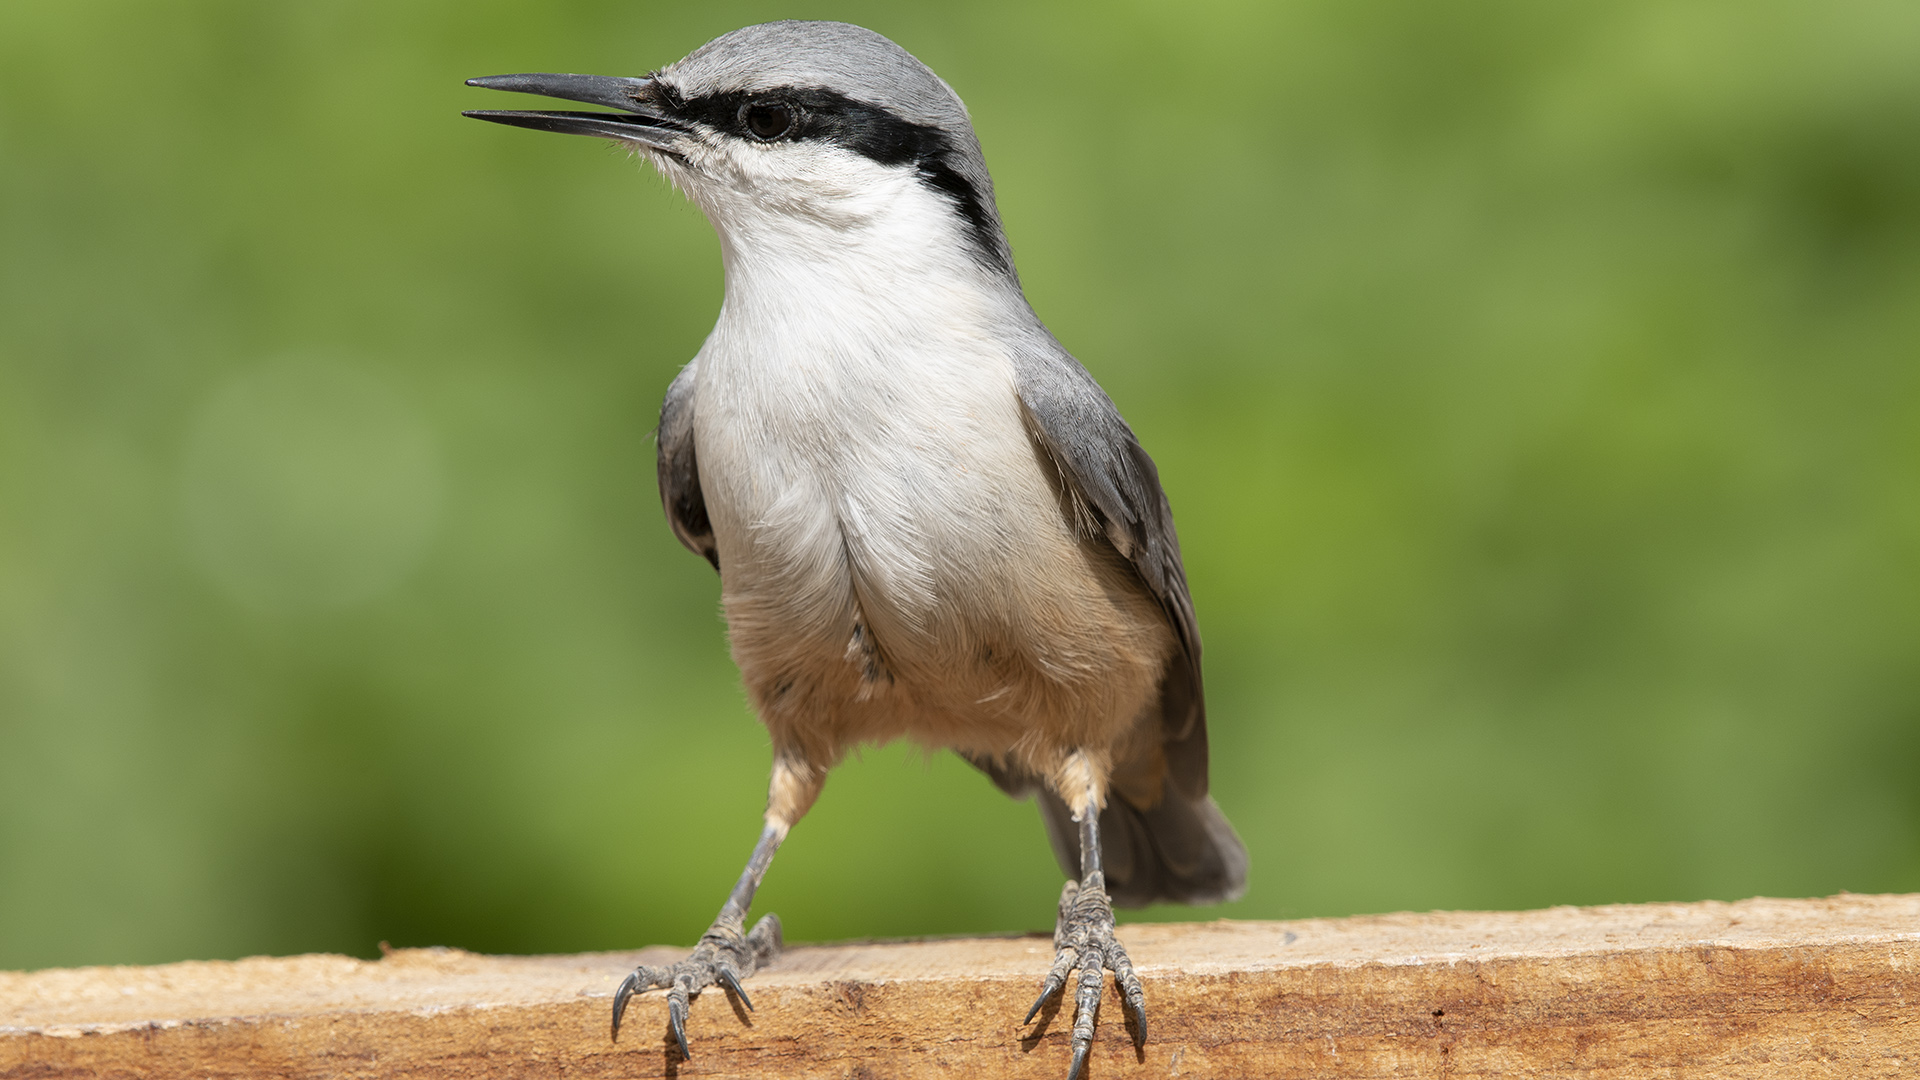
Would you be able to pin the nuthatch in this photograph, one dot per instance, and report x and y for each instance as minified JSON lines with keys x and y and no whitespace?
{"x":929,"y":521}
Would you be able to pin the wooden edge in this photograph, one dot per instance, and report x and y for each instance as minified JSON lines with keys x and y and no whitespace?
{"x":1827,"y":987}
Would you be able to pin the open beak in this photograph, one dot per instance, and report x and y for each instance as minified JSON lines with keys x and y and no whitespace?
{"x":638,"y":121}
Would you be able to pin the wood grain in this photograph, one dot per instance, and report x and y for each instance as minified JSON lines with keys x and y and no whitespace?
{"x":1760,"y":988}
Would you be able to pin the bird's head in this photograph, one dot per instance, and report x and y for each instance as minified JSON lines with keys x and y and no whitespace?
{"x":794,"y":134}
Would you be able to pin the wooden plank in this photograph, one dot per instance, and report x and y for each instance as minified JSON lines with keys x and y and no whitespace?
{"x":1760,"y":988}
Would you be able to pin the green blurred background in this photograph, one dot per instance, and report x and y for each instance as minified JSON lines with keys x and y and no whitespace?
{"x":1537,"y":385}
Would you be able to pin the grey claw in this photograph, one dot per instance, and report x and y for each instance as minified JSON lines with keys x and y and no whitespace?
{"x":620,"y":997}
{"x":1050,"y":988}
{"x":725,"y":954}
{"x":1079,"y":1060}
{"x":724,"y":957}
{"x":1139,"y":1011}
{"x":1063,"y":962}
{"x":1135,"y":1001}
{"x":732,"y":982}
{"x":677,"y":1021}
{"x":1132,"y":995}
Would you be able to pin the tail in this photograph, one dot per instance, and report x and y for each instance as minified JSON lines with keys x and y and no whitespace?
{"x":1180,"y":851}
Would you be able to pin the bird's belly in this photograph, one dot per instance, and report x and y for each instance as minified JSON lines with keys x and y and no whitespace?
{"x":914,"y":572}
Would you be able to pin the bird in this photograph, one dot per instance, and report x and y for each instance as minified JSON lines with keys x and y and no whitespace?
{"x":929,"y":521}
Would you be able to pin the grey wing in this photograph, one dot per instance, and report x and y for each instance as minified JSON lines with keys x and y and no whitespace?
{"x":1107,"y":471}
{"x":680,"y":471}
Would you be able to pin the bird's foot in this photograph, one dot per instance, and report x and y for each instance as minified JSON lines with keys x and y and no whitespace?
{"x":1083,"y":941}
{"x":724,"y":956}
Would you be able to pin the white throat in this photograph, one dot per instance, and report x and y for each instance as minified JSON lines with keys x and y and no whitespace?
{"x":812,"y":231}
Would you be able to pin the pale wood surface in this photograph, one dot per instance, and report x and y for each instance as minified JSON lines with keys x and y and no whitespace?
{"x":1758,"y":988}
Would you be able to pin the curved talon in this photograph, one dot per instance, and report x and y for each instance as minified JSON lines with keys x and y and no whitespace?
{"x":1052,"y":987}
{"x":1079,"y":1059}
{"x":677,"y":1019}
{"x":732,"y":982}
{"x":1133,"y":998}
{"x":1132,"y":995}
{"x":1135,"y":1001}
{"x":628,"y":986}
{"x":1056,"y":978}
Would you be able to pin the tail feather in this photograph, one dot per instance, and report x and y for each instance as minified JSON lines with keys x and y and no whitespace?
{"x":1181,"y":850}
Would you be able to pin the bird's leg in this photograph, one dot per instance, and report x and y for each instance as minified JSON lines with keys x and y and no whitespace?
{"x":728,"y":952}
{"x":1083,"y":942}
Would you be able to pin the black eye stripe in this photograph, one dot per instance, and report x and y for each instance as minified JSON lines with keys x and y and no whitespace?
{"x":869,"y":130}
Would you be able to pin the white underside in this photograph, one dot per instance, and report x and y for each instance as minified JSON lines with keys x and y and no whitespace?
{"x":860,"y":438}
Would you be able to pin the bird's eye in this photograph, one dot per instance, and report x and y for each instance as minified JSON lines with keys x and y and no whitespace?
{"x":768,"y":121}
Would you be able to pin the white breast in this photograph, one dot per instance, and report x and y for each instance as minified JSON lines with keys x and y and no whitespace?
{"x":835,"y":439}
{"x":895,"y":555}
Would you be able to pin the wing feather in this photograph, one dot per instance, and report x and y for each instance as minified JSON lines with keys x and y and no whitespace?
{"x":679,"y":471}
{"x":1110,"y":474}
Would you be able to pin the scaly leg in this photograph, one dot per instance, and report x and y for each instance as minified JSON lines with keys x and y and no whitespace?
{"x":1083,"y":940}
{"x":727,"y":952}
